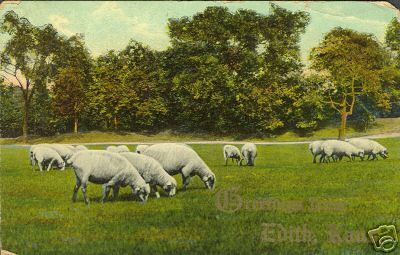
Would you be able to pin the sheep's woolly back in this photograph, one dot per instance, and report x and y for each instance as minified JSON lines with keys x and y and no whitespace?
{"x":103,"y":165}
{"x":369,"y":146}
{"x":123,"y":148}
{"x":112,"y":148}
{"x":249,"y":152}
{"x":42,"y":153}
{"x":62,"y":149}
{"x":149,"y":168}
{"x":336,"y":147}
{"x":80,"y":148}
{"x":141,"y":147}
{"x":316,"y":147}
{"x":174,"y":157}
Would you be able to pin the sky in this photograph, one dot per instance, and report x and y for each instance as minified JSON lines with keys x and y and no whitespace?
{"x":110,"y":25}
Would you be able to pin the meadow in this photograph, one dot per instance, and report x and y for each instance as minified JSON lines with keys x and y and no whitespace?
{"x":38,"y":216}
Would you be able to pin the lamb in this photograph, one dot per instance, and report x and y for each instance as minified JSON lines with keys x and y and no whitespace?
{"x":141,"y":147}
{"x":152,"y":172}
{"x":178,"y":158}
{"x":232,"y":152}
{"x":370,"y":147}
{"x":338,"y":149}
{"x":109,"y":169}
{"x":316,"y":149}
{"x":249,"y":152}
{"x":43,"y":155}
{"x":120,"y":148}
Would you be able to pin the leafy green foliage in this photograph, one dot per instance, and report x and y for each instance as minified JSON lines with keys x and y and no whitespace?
{"x":10,"y":113}
{"x":354,"y":63}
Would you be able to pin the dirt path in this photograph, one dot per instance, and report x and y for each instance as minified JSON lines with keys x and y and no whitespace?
{"x":386,"y":135}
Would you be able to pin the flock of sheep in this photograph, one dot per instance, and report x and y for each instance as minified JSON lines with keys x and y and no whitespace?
{"x":351,"y":148}
{"x":154,"y":165}
{"x":115,"y":167}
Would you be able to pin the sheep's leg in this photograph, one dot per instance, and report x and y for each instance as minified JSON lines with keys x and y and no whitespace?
{"x":154,"y":190}
{"x":49,"y":166}
{"x":314,"y":158}
{"x":106,"y":192}
{"x":226,"y":161}
{"x":115,"y":192}
{"x":40,"y":166}
{"x":83,"y":188}
{"x":76,"y":188}
{"x":185,"y":181}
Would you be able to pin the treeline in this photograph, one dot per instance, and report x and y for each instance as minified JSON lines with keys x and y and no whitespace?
{"x":225,"y":72}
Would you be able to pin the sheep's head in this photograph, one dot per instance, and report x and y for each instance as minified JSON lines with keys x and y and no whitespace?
{"x":61,"y":164}
{"x":384,"y":153}
{"x":170,"y":189}
{"x":142,"y":192}
{"x":360,"y":153}
{"x":209,"y":181}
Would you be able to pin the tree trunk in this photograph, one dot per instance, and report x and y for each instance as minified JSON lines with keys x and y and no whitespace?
{"x":115,"y":122}
{"x":25,"y":122}
{"x":342,"y":129}
{"x":75,"y":122}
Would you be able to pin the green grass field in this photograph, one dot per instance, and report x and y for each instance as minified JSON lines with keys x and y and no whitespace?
{"x":38,"y":217}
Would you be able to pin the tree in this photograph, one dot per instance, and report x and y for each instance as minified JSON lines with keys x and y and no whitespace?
{"x":72,"y":78}
{"x":69,"y":93}
{"x":392,"y":73}
{"x":10,"y":110}
{"x":392,"y":38}
{"x":354,"y":63}
{"x":229,"y":68}
{"x":26,"y":57}
{"x":108,"y":94}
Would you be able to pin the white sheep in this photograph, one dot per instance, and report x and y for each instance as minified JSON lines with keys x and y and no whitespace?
{"x":123,"y":148}
{"x":109,"y":169}
{"x":179,"y":158}
{"x":370,"y":147}
{"x":316,"y":149}
{"x":249,"y":152}
{"x":141,"y":147}
{"x":232,"y":152}
{"x":62,"y":149}
{"x":339,"y":149}
{"x":152,"y":172}
{"x":118,"y":149}
{"x":112,"y":148}
{"x":43,"y":155}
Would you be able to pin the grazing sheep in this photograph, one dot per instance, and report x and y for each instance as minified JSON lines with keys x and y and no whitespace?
{"x":232,"y":152}
{"x":118,"y":149}
{"x":109,"y":169}
{"x":63,"y":150}
{"x":249,"y":152}
{"x":316,"y":149}
{"x":43,"y":155}
{"x":338,"y":149}
{"x":140,"y":148}
{"x":179,"y":158}
{"x":370,"y":147}
{"x":152,"y":172}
